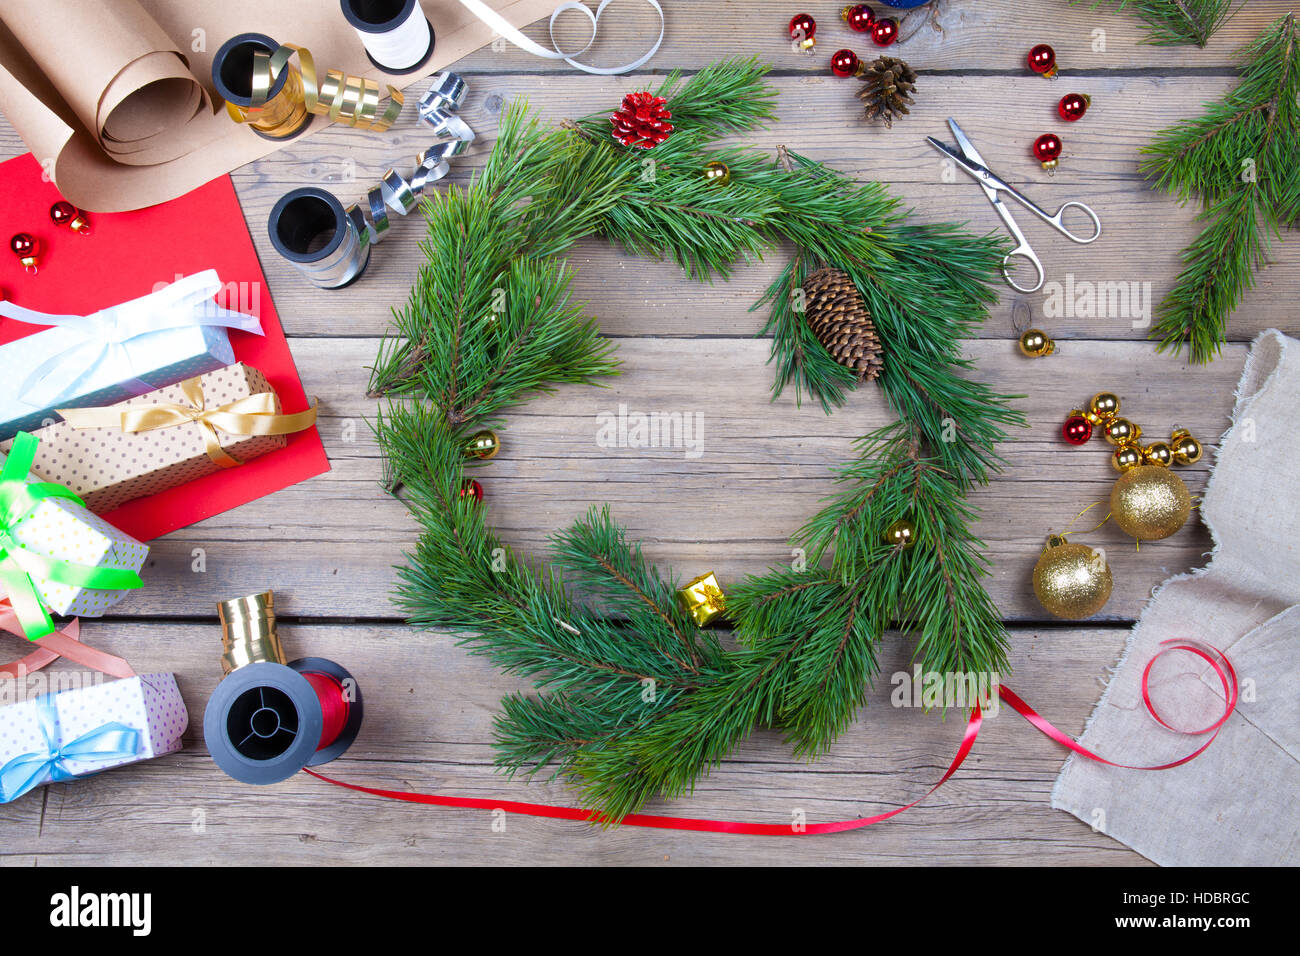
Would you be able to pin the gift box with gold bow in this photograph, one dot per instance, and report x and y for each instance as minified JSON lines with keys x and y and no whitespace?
{"x":164,"y":438}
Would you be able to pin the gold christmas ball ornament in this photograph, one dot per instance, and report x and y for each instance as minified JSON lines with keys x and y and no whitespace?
{"x":901,"y":534}
{"x":484,"y":444}
{"x":717,"y":173}
{"x":1158,"y":453}
{"x":1104,"y":405}
{"x":1150,"y":502}
{"x":1071,"y":581}
{"x":1036,"y":344}
{"x":1187,"y":450}
{"x":1126,"y":457}
{"x":1121,"y":431}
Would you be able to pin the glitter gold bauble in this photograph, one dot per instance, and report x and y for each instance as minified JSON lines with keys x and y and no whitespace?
{"x":1071,"y":581}
{"x":1036,"y":344}
{"x":717,"y":173}
{"x":1150,"y":502}
{"x":1126,"y":457}
{"x":484,"y":444}
{"x":1104,"y":405}
{"x":1158,"y":453}
{"x":1121,"y":431}
{"x":1187,"y":450}
{"x":901,"y":534}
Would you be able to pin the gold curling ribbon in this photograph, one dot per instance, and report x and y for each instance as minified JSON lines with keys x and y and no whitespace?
{"x":252,"y":415}
{"x":343,"y":98}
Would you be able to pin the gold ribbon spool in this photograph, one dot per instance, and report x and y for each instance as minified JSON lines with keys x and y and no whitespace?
{"x":252,"y":415}
{"x":279,"y":117}
{"x":343,"y":98}
{"x":248,"y":634}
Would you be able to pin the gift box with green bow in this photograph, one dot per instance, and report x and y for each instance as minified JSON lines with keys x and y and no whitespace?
{"x":54,"y":554}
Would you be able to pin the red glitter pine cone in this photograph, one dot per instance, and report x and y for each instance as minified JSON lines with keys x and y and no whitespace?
{"x":642,"y":121}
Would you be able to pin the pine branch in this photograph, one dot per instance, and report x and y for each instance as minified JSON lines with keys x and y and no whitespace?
{"x":1239,"y":158}
{"x":1172,"y":22}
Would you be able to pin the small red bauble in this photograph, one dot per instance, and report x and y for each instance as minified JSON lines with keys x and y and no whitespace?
{"x":1076,"y":430}
{"x":471,"y":489}
{"x":1073,"y":106}
{"x":859,"y":17}
{"x":63,"y":213}
{"x":26,"y":248}
{"x":803,"y":28}
{"x":844,"y":63}
{"x":1042,"y":59}
{"x":1047,"y":150}
{"x":884,"y":31}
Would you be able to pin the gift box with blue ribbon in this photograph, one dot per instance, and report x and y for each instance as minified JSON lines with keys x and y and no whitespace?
{"x":83,"y":730}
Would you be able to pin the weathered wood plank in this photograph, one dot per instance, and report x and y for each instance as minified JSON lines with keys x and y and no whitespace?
{"x":428,"y":712}
{"x":1143,"y":235}
{"x":1143,"y":232}
{"x":762,"y":470}
{"x":973,"y":36}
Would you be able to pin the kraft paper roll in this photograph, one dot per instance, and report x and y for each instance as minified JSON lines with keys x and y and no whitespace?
{"x":114,"y":96}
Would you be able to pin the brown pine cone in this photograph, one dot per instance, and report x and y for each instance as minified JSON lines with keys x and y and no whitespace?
{"x":887,"y":87}
{"x":838,"y":317}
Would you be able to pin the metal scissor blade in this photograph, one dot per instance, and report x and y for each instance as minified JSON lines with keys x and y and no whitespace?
{"x":966,"y":146}
{"x":970,"y":168}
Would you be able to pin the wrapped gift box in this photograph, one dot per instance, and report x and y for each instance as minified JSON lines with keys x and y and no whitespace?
{"x":63,"y":530}
{"x":105,"y":466}
{"x":100,"y":716}
{"x":171,"y":334}
{"x":145,"y":363}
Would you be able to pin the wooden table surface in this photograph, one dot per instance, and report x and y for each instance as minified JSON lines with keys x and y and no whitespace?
{"x":328,"y":547}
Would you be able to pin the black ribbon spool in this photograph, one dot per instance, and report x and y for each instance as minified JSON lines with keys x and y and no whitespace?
{"x":263,"y":723}
{"x":232,"y":75}
{"x":309,"y":228}
{"x":384,"y":16}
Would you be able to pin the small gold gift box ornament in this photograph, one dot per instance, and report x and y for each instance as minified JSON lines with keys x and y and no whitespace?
{"x":703,"y":599}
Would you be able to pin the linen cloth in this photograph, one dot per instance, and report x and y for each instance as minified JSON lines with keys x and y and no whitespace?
{"x":1237,"y":804}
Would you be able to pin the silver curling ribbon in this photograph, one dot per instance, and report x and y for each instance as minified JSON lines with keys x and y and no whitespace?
{"x":331,"y":245}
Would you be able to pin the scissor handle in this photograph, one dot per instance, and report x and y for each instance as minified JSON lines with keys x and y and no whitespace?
{"x":1059,"y":222}
{"x":1023,"y":251}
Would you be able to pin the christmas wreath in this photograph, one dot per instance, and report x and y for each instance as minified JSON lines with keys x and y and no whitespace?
{"x":637,"y":700}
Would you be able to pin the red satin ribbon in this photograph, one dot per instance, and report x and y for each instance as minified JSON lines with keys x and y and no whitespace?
{"x":1212,"y":655}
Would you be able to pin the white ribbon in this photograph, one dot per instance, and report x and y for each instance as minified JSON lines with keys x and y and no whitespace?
{"x":103,"y":335}
{"x":503,"y":28}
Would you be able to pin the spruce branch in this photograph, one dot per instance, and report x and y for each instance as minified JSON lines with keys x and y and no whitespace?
{"x":1239,"y":159}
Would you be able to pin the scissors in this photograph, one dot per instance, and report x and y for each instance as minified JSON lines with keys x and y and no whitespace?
{"x":968,"y":158}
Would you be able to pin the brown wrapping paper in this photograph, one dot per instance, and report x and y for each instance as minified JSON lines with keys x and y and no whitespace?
{"x":107,"y":467}
{"x":115,"y":98}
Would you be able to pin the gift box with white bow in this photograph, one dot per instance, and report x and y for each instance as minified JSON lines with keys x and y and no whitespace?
{"x":171,"y":334}
{"x":83,"y":730}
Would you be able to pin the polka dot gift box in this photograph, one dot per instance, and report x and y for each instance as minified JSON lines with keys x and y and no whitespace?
{"x":111,"y":455}
{"x":62,"y":530}
{"x":85,"y":729}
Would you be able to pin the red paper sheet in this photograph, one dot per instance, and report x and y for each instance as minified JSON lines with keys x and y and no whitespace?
{"x":127,"y":255}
